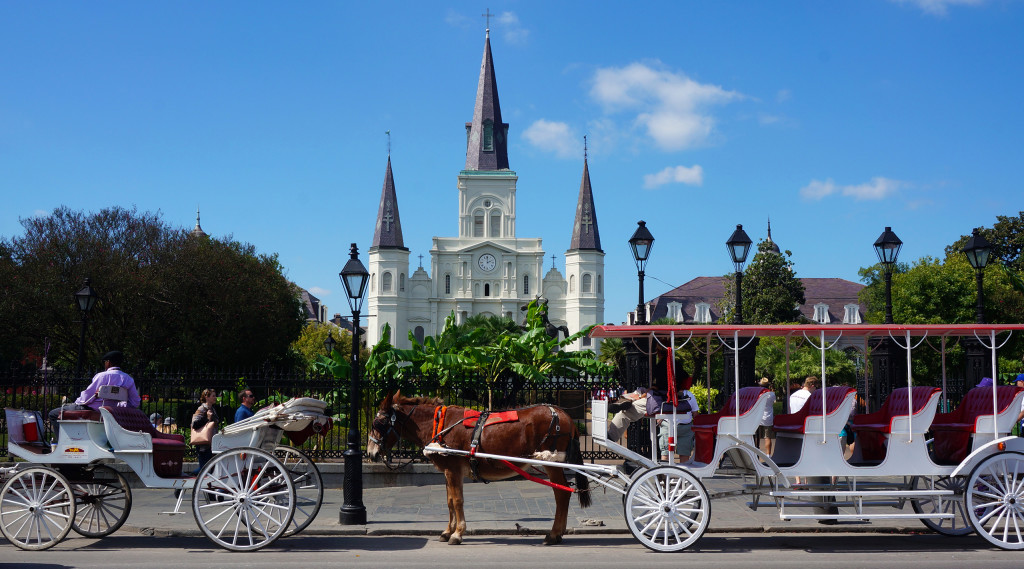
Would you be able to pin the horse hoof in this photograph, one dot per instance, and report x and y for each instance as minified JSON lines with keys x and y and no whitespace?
{"x":455,"y":540}
{"x":445,"y":536}
{"x":549,"y":540}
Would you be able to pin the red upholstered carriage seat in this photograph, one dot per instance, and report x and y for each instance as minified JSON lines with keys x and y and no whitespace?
{"x":705,"y":427}
{"x":871,"y":428}
{"x":83,"y":415}
{"x":168,"y":449}
{"x":952,"y":431}
{"x":833,"y":396}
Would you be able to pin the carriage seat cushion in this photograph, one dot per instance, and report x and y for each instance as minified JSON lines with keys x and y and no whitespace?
{"x":168,"y":449}
{"x":976,"y":403}
{"x":832,"y":396}
{"x":83,"y":415}
{"x":896,"y":405}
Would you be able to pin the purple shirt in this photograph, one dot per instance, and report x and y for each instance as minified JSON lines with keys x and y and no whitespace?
{"x":112,"y":376}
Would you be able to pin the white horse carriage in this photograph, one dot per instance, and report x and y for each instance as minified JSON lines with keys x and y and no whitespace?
{"x":968,"y":477}
{"x":252,"y":491}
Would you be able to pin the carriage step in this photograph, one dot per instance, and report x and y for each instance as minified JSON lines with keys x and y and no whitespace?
{"x":896,"y":493}
{"x":933,"y":516}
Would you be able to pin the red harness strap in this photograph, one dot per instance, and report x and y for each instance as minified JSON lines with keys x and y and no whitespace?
{"x":532,"y":478}
{"x":439,"y":416}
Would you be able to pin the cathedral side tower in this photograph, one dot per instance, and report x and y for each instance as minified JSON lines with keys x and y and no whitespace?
{"x":584,"y":266}
{"x":389,"y":271}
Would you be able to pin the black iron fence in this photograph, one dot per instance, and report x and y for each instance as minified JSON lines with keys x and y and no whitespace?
{"x":175,"y":397}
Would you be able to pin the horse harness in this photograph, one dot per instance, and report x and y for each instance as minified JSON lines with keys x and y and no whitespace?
{"x":439,"y":430}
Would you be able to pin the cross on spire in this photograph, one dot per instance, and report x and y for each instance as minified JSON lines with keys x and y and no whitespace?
{"x":584,"y":147}
{"x":552,"y":261}
{"x":388,"y":133}
{"x":421,"y":261}
{"x":488,"y":15}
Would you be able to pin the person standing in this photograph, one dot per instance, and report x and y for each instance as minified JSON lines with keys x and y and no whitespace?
{"x":89,"y":399}
{"x":1019,"y":382}
{"x":766,"y":431}
{"x":206,"y":413}
{"x":800,"y":396}
{"x":244,"y":410}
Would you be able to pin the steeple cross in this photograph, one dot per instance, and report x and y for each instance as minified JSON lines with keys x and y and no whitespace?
{"x":388,"y":218}
{"x":552,"y":261}
{"x":488,"y":15}
{"x":421,"y":261}
{"x":586,"y":220}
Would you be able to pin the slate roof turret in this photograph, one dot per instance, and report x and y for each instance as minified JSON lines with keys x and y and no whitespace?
{"x":487,"y":136}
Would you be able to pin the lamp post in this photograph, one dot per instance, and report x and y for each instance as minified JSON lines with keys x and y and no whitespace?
{"x":739,"y":247}
{"x":86,"y":298}
{"x":978,"y":251}
{"x":353,"y":512}
{"x":885,"y":367}
{"x":329,"y":344}
{"x":641,"y":243}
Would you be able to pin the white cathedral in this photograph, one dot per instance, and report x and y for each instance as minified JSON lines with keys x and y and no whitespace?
{"x":486,"y":269}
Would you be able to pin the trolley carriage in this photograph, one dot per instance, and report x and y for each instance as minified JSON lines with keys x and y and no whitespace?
{"x":968,"y":478}
{"x":250,"y":493}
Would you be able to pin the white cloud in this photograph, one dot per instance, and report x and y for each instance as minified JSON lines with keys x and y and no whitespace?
{"x":511,"y":30}
{"x":878,"y":188}
{"x":670,"y":107}
{"x":766,"y":119}
{"x":319,"y":292}
{"x":552,"y":136}
{"x":818,"y":189}
{"x":692,"y":176}
{"x":783,"y":95}
{"x":939,"y":7}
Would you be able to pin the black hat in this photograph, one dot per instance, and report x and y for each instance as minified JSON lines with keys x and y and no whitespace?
{"x":114,"y":357}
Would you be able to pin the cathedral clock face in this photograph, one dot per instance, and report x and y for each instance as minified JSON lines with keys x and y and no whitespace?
{"x":486,"y":262}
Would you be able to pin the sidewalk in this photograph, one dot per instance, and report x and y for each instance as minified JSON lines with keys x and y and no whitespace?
{"x":495,"y":509}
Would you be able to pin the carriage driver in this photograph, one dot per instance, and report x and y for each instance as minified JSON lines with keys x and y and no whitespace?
{"x":111,"y":375}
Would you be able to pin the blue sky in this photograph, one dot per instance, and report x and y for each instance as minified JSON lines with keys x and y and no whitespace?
{"x":833,"y":118}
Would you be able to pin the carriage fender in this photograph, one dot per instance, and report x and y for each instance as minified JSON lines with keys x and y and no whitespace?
{"x":757,"y":455}
{"x":990,"y":448}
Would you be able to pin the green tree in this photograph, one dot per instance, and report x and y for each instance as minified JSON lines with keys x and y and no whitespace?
{"x":166,"y":298}
{"x":1006,"y":237}
{"x":772,"y":293}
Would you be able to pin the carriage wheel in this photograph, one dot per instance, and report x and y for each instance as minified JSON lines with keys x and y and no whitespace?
{"x":309,"y":487}
{"x":36,"y":508}
{"x":995,"y":500}
{"x":957,"y":526}
{"x":243,"y":499}
{"x":667,"y":509}
{"x":103,"y":502}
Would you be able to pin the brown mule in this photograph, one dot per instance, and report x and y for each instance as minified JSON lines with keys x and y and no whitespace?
{"x":541,"y":432}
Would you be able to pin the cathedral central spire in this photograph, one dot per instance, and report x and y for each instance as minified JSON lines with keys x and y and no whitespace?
{"x":487,"y":136}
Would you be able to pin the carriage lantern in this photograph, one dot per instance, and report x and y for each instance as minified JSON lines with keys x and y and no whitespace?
{"x":353,"y":512}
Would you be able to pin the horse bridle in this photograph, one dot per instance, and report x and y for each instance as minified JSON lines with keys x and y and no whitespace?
{"x":388,"y":420}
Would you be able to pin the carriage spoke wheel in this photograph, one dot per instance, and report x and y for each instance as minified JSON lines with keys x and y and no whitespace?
{"x":995,"y":500}
{"x":957,"y":526}
{"x":667,"y":509}
{"x":36,"y":508}
{"x":243,"y":499}
{"x":309,"y":486}
{"x":103,"y":502}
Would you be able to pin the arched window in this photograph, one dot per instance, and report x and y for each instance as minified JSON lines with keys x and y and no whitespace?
{"x":526,"y":284}
{"x":495,"y":224}
{"x":447,"y":284}
{"x":600,"y":284}
{"x":572,"y":283}
{"x":418,"y":334}
{"x":401,"y":282}
{"x":478,"y":224}
{"x":385,"y":282}
{"x":585,"y":282}
{"x":487,"y":289}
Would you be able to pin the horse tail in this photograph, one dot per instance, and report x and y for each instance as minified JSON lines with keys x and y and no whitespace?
{"x":573,"y":455}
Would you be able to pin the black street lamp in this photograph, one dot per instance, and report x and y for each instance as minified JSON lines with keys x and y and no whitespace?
{"x":641,"y":243}
{"x":86,"y":298}
{"x":739,"y":246}
{"x":978,"y":250}
{"x":353,"y":512}
{"x":886,"y":369}
{"x":329,"y":344}
{"x":887,"y":247}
